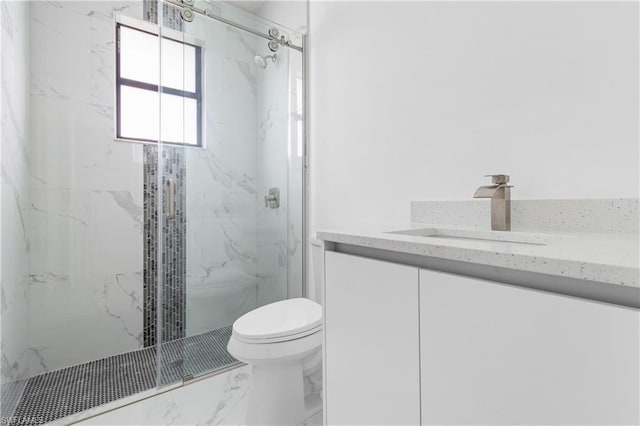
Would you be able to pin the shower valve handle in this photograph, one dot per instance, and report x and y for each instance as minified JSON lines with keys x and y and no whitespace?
{"x":272,"y":200}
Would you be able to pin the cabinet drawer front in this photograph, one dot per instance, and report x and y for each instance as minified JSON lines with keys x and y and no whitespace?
{"x":497,"y":354}
{"x":371,"y":342}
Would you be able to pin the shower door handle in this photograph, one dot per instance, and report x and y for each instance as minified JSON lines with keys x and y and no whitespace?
{"x":171,"y":199}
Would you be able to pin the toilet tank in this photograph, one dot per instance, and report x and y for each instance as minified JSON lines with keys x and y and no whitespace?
{"x":316,"y":281}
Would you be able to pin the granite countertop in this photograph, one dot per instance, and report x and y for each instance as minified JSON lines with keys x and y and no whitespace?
{"x":611,"y":258}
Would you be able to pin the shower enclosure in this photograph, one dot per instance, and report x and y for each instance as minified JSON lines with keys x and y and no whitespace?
{"x":152,"y":193}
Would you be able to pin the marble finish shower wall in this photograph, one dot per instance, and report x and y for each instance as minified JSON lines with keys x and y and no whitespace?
{"x":14,"y":133}
{"x":238,"y":251}
{"x":273,"y":171}
{"x":222,"y":276}
{"x":293,"y":14}
{"x":86,"y":191}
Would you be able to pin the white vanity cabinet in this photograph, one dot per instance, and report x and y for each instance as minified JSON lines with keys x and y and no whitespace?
{"x":413,"y":346}
{"x":371,"y":342}
{"x":497,"y":354}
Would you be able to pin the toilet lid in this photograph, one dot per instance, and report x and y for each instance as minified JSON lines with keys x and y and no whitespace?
{"x":285,"y":318}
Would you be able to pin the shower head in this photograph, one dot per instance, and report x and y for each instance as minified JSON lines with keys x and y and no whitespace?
{"x":261,"y":61}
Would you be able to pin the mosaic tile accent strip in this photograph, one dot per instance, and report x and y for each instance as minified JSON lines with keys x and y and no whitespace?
{"x":170,"y":14}
{"x":60,"y":393}
{"x":174,"y":251}
{"x":173,"y":230}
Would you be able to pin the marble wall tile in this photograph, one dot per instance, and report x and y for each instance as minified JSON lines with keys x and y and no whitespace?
{"x":273,"y":148}
{"x":231,"y":235}
{"x":14,"y":198}
{"x":219,"y":242}
{"x":59,"y":38}
{"x":103,"y":316}
{"x":218,"y":400}
{"x":219,"y":304}
{"x":85,"y":207}
{"x":157,"y":410}
{"x":315,"y":420}
{"x":95,"y":232}
{"x":221,"y":193}
{"x":73,"y":147}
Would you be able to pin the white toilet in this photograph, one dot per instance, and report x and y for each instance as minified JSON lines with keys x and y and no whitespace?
{"x":282,"y":342}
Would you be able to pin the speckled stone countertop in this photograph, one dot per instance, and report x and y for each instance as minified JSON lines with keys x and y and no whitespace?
{"x":611,"y":257}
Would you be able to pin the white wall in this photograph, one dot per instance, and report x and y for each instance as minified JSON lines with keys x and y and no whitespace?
{"x":417,"y":101}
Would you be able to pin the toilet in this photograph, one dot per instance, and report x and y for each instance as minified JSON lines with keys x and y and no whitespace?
{"x":282,"y":342}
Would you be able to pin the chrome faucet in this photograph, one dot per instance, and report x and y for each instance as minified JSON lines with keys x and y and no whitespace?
{"x":500,"y":194}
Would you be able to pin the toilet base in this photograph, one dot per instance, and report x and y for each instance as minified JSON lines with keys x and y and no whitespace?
{"x":281,"y":364}
{"x":276,"y":396}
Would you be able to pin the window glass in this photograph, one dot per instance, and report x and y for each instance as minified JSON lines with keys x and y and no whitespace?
{"x":178,"y":65}
{"x":179,"y":119}
{"x":137,"y":89}
{"x":138,"y":55}
{"x":139,"y":114}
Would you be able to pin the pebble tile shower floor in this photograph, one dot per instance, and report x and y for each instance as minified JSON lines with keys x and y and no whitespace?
{"x":60,"y":393}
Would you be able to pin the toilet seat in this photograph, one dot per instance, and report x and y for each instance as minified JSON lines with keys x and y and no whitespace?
{"x":281,"y":321}
{"x":278,"y":339}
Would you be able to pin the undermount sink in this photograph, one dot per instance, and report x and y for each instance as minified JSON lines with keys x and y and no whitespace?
{"x":467,"y":234}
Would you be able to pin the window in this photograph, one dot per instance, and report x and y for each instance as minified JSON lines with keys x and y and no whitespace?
{"x":137,"y":87}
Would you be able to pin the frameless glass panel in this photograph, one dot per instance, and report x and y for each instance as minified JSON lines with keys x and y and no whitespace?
{"x":232,"y":252}
{"x":77,"y":224}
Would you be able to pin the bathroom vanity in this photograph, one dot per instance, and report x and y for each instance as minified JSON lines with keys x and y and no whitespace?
{"x":452,"y":324}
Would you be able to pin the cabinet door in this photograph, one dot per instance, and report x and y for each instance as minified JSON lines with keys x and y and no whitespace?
{"x":371,"y":342}
{"x":498,"y":354}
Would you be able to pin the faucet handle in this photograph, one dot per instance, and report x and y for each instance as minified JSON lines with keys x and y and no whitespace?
{"x":498,"y":179}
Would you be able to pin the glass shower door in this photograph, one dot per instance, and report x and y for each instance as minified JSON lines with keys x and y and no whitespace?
{"x":224,"y":174}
